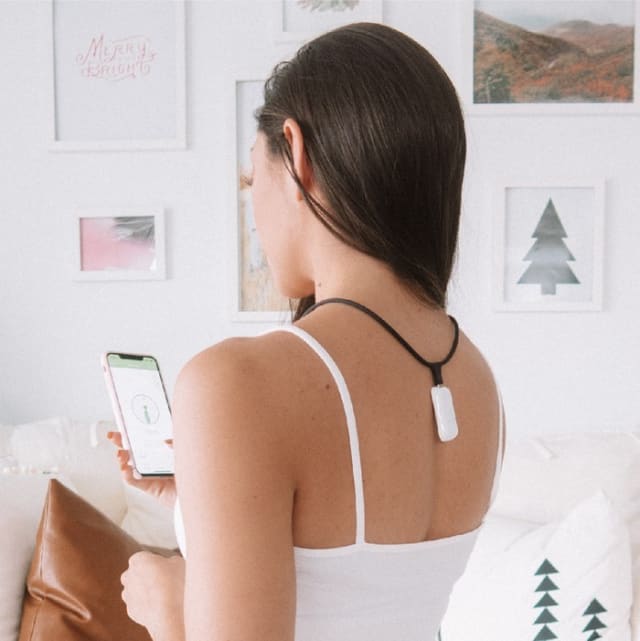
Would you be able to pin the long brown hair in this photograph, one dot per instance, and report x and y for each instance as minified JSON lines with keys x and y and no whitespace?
{"x":384,"y":134}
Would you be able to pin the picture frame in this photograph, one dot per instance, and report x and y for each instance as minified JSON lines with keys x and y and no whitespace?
{"x":598,"y":81}
{"x":254,"y":297}
{"x":300,"y":20}
{"x":117,"y":76}
{"x":114,"y":243}
{"x":548,"y":245}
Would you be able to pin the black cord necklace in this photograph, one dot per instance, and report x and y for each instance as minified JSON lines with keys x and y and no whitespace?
{"x":435,"y":367}
{"x":440,"y":394}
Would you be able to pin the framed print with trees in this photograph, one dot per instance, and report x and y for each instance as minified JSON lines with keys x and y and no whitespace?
{"x":255,"y":297}
{"x":299,"y":20}
{"x":117,"y":75}
{"x":560,"y":57}
{"x":548,"y":241}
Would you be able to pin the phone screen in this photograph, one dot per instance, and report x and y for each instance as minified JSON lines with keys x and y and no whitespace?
{"x":144,"y":409}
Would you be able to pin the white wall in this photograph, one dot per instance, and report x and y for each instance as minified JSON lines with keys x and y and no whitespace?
{"x":558,"y":371}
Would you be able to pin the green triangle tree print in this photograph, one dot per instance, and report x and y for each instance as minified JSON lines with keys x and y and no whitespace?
{"x":547,"y":599}
{"x":594,"y":624}
{"x":544,"y":635}
{"x":545,"y":617}
{"x":549,"y":254}
{"x":546,"y":584}
{"x":546,"y":568}
{"x":594,"y":608}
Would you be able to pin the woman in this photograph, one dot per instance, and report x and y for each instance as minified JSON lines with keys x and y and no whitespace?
{"x":284,"y":441}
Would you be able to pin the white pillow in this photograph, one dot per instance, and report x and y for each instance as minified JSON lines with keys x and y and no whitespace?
{"x":80,"y":451}
{"x":571,"y":467}
{"x":147,"y":520}
{"x":572,"y":575}
{"x":575,"y":466}
{"x":21,"y":502}
{"x":95,"y":470}
{"x":41,"y":446}
{"x":5,"y":431}
{"x":83,"y":453}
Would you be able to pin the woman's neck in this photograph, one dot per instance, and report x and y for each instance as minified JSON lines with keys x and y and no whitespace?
{"x":343,"y":272}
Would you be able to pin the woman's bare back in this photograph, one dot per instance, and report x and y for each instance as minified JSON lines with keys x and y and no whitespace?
{"x":416,"y":487}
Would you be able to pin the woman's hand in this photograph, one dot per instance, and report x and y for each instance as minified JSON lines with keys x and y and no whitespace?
{"x":154,"y":594}
{"x":164,"y":489}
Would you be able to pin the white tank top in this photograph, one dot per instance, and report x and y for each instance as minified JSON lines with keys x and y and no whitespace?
{"x":372,"y":591}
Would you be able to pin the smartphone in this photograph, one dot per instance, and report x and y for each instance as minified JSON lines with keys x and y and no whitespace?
{"x":141,"y":410}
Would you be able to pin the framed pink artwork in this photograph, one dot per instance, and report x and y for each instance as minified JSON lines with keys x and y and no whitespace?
{"x":119,"y":244}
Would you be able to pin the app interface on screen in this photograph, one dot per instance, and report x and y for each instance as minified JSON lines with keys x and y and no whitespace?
{"x":145,"y":412}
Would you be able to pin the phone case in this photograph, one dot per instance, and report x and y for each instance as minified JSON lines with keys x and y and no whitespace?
{"x":115,"y":405}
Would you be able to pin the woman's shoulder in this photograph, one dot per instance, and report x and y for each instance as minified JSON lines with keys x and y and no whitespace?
{"x":263,"y":369}
{"x":250,"y":356}
{"x":244,"y":390}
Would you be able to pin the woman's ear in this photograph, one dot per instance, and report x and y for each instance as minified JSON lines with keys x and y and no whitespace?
{"x":293,"y":135}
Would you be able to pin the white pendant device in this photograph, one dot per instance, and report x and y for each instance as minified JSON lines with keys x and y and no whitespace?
{"x":444,"y":412}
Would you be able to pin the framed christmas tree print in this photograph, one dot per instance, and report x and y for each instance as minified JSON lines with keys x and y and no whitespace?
{"x":548,"y":246}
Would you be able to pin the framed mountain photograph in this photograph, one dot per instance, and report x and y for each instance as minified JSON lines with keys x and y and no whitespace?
{"x":548,"y":241}
{"x":565,"y":56}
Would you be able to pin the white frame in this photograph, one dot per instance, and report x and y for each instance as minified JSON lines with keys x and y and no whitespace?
{"x":178,"y":142}
{"x":539,"y":109}
{"x":237,"y":314}
{"x":280,"y":35}
{"x":119,"y":274}
{"x":499,"y":247}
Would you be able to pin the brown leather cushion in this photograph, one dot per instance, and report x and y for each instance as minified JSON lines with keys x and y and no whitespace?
{"x":73,"y":588}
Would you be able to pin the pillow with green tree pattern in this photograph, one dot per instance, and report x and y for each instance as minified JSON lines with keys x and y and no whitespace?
{"x":568,"y":579}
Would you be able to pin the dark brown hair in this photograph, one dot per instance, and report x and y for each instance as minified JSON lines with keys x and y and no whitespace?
{"x":384,"y":135}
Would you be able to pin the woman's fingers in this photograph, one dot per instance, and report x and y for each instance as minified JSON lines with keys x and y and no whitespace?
{"x":124,"y":460}
{"x":162,"y":489}
{"x":126,"y":467}
{"x":115,"y":438}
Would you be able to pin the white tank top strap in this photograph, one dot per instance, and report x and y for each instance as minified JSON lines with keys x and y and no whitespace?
{"x":349,"y":415}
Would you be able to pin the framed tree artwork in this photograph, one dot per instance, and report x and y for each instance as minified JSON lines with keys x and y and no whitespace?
{"x":560,"y":57}
{"x":548,"y":242}
{"x":117,"y":75}
{"x":299,"y":20}
{"x":255,"y":297}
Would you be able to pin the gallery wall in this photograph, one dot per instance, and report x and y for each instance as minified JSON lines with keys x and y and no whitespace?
{"x":558,"y":371}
